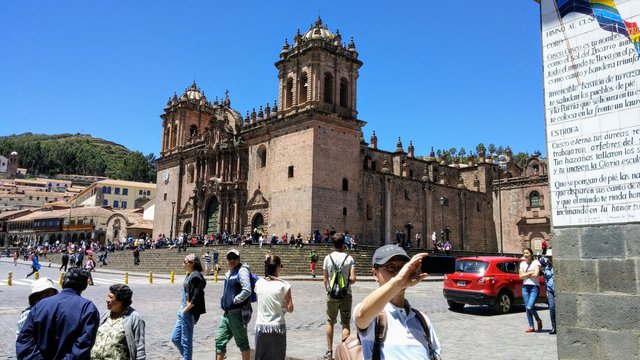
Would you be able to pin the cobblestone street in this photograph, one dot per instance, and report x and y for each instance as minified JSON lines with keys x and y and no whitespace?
{"x":474,"y":334}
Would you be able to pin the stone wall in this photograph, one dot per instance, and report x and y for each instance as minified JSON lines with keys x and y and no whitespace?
{"x":597,"y":271}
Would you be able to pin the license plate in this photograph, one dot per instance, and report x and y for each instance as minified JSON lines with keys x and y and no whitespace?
{"x":461,"y":283}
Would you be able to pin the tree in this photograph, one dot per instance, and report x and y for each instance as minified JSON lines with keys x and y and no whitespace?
{"x":462,"y":152}
{"x":480,"y":148}
{"x":492,"y":149}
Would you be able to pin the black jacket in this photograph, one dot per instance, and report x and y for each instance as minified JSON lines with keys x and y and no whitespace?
{"x":194,"y":288}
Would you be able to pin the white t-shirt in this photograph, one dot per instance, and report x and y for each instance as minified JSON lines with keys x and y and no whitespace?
{"x":338,"y":258}
{"x":271,"y":294}
{"x":524,"y":267}
{"x":405,"y":337}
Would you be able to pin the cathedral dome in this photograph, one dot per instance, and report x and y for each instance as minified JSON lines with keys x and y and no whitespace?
{"x":193,"y":93}
{"x":319,"y":32}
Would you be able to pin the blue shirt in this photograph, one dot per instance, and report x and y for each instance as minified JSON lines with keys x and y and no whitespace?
{"x":59,"y":327}
{"x":547,"y":272}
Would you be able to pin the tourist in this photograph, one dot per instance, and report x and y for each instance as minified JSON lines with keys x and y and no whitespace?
{"x":90,"y":266}
{"x":40,"y":289}
{"x":16,"y":256}
{"x":274,"y":300}
{"x":313,"y":261}
{"x":447,"y":248}
{"x":62,"y":326}
{"x":235,"y":297}
{"x":336,"y":264}
{"x":408,"y":333}
{"x":191,"y":307}
{"x":547,"y":271}
{"x":35,"y":264}
{"x":418,"y":238}
{"x":529,"y":272}
{"x":65,"y":261}
{"x":121,"y":331}
{"x":207,"y":263}
{"x":136,"y":256}
{"x":216,"y":256}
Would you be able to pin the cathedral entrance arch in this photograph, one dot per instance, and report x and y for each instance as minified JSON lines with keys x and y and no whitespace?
{"x":258,"y":221}
{"x":213,"y":212}
{"x":187,"y":227}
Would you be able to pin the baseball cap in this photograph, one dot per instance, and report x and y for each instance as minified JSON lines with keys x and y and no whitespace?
{"x":233,"y":253}
{"x":385,"y":253}
{"x":40,"y":285}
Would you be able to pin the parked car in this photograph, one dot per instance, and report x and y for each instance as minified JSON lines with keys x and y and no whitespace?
{"x":487,"y":280}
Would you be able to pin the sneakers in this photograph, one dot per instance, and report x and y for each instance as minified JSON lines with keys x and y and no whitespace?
{"x":328,"y":355}
{"x":552,"y":332}
{"x":539,"y":325}
{"x":529,"y":330}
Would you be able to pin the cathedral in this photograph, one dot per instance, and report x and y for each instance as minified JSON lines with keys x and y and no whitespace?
{"x":302,"y":163}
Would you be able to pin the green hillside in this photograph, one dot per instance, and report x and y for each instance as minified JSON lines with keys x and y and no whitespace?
{"x":78,"y":154}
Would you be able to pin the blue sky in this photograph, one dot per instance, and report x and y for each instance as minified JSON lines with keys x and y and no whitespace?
{"x":440,"y":73}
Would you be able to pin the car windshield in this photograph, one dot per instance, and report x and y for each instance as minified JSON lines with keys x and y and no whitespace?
{"x":471,"y":266}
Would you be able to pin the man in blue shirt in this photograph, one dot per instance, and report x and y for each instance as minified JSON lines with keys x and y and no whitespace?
{"x":63,"y":326}
{"x":547,"y":271}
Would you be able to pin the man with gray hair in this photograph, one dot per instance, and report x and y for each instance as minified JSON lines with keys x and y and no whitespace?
{"x":61,"y":326}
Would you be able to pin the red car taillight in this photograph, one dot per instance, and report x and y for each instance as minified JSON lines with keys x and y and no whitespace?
{"x":486,"y":280}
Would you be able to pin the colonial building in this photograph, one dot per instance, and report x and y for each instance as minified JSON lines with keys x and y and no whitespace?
{"x":302,"y":162}
{"x":118,"y":194}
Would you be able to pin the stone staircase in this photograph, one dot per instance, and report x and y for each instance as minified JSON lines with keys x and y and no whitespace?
{"x":294,"y":260}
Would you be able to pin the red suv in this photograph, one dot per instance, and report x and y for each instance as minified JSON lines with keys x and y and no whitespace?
{"x":487,"y":280}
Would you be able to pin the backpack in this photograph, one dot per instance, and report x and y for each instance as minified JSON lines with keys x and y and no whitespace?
{"x":253,"y":278}
{"x":338,"y":286}
{"x":351,"y":347}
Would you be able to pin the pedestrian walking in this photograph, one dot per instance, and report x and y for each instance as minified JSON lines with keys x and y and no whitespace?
{"x":408,"y":333}
{"x":418,"y":239}
{"x":62,"y":326}
{"x":207,"y":263}
{"x":136,"y":256}
{"x":191,"y":307}
{"x":547,"y":271}
{"x":35,"y":264}
{"x":16,"y":256}
{"x":339,"y":274}
{"x":235,"y":297}
{"x":447,"y":248}
{"x":65,"y":261}
{"x":90,"y":266}
{"x":313,"y":261}
{"x":216,"y":256}
{"x":121,"y":334}
{"x":529,"y":272}
{"x":274,"y":301}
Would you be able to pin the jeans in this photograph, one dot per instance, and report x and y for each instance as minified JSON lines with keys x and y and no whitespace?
{"x":182,"y":336}
{"x":530,"y":295}
{"x":551,"y":297}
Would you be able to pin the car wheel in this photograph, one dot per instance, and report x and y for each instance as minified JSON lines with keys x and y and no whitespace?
{"x":455,"y":306}
{"x":504,"y":302}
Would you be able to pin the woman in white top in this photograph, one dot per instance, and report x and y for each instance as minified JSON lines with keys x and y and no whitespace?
{"x":274,"y":300}
{"x":529,"y":272}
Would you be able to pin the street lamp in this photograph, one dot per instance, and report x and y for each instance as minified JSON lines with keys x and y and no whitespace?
{"x":443,"y":201}
{"x":173,"y":207}
{"x":502,"y":162}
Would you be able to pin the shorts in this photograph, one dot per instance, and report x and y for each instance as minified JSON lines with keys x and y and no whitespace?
{"x":342,"y":305}
{"x":312,"y":265}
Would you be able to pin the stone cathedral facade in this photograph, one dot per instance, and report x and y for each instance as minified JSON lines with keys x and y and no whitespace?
{"x":302,"y":162}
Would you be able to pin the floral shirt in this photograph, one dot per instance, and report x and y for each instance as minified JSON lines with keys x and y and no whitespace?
{"x":111,"y":343}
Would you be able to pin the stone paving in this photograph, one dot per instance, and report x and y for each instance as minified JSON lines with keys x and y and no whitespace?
{"x":474,"y":334}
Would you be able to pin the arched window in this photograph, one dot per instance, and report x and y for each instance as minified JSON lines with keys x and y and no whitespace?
{"x":262,"y":156}
{"x":302,"y":90}
{"x":534,"y":199}
{"x":344,"y":92}
{"x":328,"y":88}
{"x":289,"y":93}
{"x":193,"y":131}
{"x":104,"y":189}
{"x":345,"y":184}
{"x":190,"y":172}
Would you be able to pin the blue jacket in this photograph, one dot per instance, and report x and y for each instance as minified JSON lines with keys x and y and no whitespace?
{"x":237,"y":289}
{"x":60,"y":327}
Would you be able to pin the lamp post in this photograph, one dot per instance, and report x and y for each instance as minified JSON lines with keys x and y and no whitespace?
{"x":502,"y":162}
{"x":173,"y":207}
{"x":443,"y":200}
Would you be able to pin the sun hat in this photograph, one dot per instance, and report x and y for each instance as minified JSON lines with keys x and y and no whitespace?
{"x":235,"y":253}
{"x":40,"y":285}
{"x":385,"y":253}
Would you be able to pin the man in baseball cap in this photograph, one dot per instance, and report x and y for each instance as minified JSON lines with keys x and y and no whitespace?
{"x":408,"y":333}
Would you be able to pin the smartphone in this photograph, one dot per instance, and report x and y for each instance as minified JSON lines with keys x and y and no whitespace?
{"x":438,"y":264}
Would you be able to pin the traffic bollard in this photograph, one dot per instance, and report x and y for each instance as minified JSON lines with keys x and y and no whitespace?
{"x":215,"y":276}
{"x":61,"y":277}
{"x":171,"y":279}
{"x":37,"y":275}
{"x":150,"y":277}
{"x":126,"y":278}
{"x":10,"y":275}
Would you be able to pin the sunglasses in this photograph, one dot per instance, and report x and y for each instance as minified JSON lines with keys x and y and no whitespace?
{"x":392,"y":268}
{"x":187,"y":262}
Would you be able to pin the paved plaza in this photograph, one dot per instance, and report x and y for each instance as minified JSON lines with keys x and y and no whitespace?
{"x":474,"y":334}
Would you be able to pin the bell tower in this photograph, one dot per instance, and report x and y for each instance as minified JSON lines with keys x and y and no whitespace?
{"x":318,"y":72}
